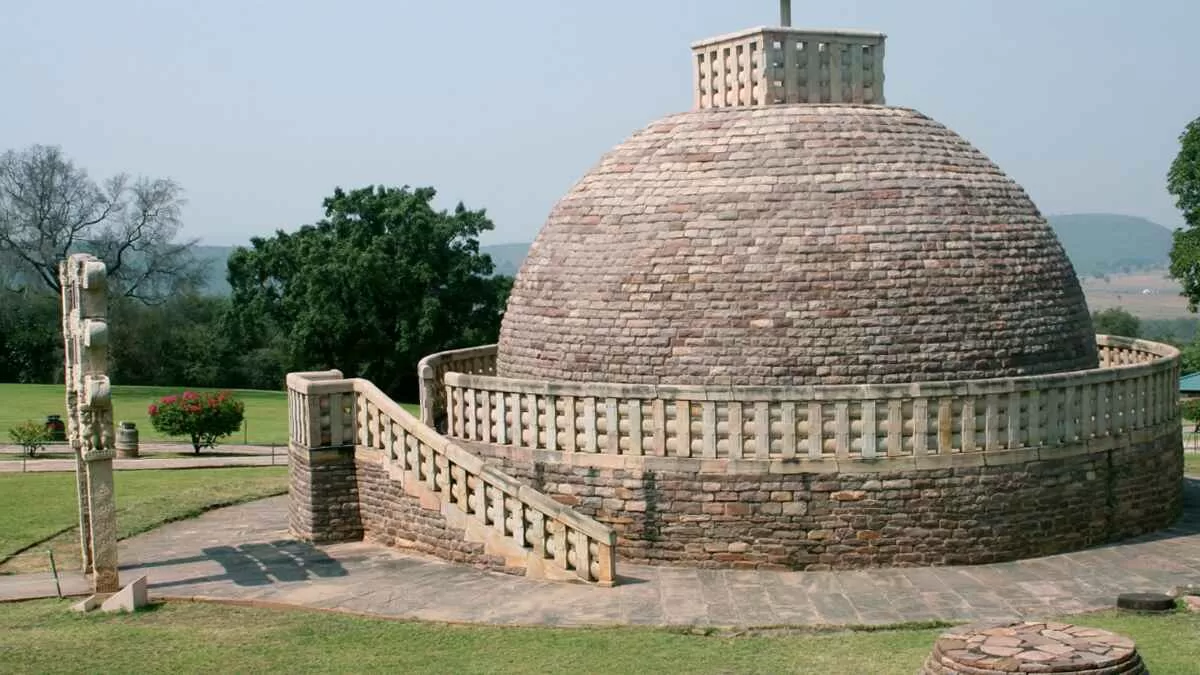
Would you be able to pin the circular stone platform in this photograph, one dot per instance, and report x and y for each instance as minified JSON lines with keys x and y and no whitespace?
{"x":1025,"y":647}
{"x":794,"y":245}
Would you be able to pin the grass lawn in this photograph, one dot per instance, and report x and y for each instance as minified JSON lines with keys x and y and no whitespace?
{"x":1191,"y":464}
{"x":43,"y":636}
{"x":38,"y":506}
{"x":266,"y":411}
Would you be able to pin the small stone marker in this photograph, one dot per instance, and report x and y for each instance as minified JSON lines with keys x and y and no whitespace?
{"x":1029,"y":647}
{"x":1146,"y":602}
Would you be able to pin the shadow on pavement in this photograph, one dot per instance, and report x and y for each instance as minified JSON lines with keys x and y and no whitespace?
{"x":257,"y":564}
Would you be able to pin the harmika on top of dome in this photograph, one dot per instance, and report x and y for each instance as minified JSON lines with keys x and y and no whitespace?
{"x":795,"y":244}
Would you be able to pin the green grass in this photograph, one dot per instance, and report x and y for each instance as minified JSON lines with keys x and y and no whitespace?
{"x":266,"y":411}
{"x":1191,"y":464}
{"x":39,"y":506}
{"x":42,"y":636}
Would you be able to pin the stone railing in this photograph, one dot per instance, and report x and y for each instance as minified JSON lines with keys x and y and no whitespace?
{"x":1134,"y":389}
{"x":432,"y":371}
{"x":328,"y":411}
{"x":765,"y":66}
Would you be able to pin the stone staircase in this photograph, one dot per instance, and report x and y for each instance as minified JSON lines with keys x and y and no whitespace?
{"x":345,"y":432}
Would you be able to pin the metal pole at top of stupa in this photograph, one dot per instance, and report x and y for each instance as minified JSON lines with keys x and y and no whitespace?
{"x":785,"y":13}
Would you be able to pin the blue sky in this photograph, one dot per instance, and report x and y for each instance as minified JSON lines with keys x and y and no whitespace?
{"x":261,"y":109}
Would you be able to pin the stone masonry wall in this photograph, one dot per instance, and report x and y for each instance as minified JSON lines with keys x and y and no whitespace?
{"x":323,"y":504}
{"x":394,"y":518}
{"x":964,"y":515}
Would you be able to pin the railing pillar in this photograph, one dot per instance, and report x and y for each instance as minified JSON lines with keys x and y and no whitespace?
{"x":429,"y":388}
{"x":323,"y":487}
{"x":606,"y":559}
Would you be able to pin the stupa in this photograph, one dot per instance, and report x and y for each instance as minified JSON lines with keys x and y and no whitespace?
{"x":797,"y":327}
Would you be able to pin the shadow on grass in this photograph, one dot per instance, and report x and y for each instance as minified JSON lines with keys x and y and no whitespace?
{"x":259,"y":564}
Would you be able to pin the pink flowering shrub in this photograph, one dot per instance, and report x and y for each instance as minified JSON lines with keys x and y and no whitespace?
{"x":205,"y":418}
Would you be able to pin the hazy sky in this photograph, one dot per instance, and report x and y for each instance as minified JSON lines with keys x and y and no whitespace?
{"x":260,"y":109}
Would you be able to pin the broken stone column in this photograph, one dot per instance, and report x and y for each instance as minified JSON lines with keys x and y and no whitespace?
{"x":89,"y":414}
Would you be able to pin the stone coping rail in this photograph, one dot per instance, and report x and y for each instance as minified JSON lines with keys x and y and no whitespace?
{"x":329,"y":411}
{"x":1134,"y":389}
{"x":433,"y":368}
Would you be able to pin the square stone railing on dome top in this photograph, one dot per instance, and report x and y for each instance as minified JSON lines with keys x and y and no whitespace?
{"x":1134,"y":389}
{"x":327,"y":411}
{"x":767,"y":66}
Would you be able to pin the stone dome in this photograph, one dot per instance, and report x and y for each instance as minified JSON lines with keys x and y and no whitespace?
{"x":794,"y":245}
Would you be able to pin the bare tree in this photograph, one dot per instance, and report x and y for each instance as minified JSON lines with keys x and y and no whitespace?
{"x":49,"y":208}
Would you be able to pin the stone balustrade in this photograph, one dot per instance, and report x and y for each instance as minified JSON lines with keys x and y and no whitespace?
{"x":765,"y":66}
{"x":432,"y":370}
{"x":1134,"y":389}
{"x":327,"y":411}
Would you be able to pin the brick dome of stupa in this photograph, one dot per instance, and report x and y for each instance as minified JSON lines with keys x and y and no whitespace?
{"x":795,"y":244}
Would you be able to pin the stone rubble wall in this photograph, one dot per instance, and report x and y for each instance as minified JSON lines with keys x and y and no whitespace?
{"x":344,"y":494}
{"x":964,"y":513}
{"x":323,"y":487}
{"x":394,"y":518}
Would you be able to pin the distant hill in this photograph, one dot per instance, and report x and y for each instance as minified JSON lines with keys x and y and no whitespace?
{"x":1097,"y":244}
{"x":1107,"y":243}
{"x":215,"y":258}
{"x":507,"y":257}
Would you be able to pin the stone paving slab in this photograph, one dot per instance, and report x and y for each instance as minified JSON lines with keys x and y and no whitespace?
{"x":244,"y":553}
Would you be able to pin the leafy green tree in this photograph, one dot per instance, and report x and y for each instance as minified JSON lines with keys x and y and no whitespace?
{"x":1189,"y":361}
{"x":1116,"y":321}
{"x":1183,"y":182}
{"x":1189,"y":409}
{"x":30,"y":336}
{"x":383,"y":280}
{"x":179,"y":342}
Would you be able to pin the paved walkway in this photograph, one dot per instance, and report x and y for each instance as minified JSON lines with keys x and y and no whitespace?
{"x":151,"y":458}
{"x":243,"y":553}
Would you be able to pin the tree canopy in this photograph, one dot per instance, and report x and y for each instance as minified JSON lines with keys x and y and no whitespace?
{"x":1183,"y":182}
{"x":383,"y":280}
{"x":1116,"y":321}
{"x":50,"y":208}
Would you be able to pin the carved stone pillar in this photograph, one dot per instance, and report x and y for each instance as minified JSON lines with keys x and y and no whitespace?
{"x":89,"y":414}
